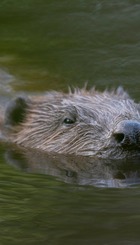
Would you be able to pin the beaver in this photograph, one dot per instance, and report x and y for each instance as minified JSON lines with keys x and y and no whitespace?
{"x":81,"y":122}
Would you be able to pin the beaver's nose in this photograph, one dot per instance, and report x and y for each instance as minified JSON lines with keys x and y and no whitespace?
{"x":127,"y":133}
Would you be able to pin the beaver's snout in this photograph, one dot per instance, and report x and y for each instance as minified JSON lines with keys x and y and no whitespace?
{"x":127,"y":133}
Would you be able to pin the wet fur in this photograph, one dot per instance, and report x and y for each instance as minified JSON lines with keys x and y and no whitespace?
{"x":38,"y":122}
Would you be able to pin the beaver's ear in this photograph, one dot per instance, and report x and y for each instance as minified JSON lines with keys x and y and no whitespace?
{"x":16,"y":111}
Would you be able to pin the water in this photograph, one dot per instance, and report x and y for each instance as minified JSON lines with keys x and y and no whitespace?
{"x":52,"y":45}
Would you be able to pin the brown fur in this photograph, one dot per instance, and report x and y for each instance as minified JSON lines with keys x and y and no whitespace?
{"x":82,"y":122}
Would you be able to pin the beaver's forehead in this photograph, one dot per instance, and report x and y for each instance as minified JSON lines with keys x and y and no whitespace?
{"x":102,"y":107}
{"x":93,"y":102}
{"x":97,"y":103}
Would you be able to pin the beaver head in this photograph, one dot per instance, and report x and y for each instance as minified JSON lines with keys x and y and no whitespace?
{"x":82,"y":122}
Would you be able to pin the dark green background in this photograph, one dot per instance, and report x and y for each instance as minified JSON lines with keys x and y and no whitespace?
{"x":52,"y":44}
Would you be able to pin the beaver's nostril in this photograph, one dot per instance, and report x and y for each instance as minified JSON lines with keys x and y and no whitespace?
{"x":119,"y":137}
{"x":127,"y":133}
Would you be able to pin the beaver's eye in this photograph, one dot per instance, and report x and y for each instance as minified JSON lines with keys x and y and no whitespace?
{"x":68,"y":121}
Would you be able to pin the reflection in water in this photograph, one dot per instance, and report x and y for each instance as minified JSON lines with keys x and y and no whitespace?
{"x":38,"y":209}
{"x":77,"y":170}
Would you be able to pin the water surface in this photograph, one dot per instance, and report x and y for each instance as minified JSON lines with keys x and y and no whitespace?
{"x":52,"y":45}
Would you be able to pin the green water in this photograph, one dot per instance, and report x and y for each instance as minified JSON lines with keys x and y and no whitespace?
{"x":51,"y":44}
